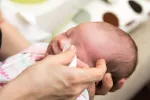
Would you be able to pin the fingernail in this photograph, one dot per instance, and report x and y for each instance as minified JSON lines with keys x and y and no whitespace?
{"x":99,"y":62}
{"x":109,"y":74}
{"x":107,"y":79}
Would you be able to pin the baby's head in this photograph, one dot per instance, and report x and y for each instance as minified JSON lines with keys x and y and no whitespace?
{"x":95,"y":41}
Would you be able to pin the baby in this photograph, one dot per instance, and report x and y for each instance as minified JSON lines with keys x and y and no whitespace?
{"x":93,"y":41}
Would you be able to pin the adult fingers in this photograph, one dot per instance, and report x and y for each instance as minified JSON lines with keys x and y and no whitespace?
{"x":90,"y":75}
{"x":91,"y":91}
{"x":81,"y":64}
{"x":107,"y":84}
{"x":63,"y":58}
{"x":118,"y":85}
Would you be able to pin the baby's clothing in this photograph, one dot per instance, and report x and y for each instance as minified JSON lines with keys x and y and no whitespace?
{"x":13,"y":66}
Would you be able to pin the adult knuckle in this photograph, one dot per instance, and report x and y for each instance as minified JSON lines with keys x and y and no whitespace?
{"x":68,"y":84}
{"x":70,"y":80}
{"x":73,"y":91}
{"x":73,"y":78}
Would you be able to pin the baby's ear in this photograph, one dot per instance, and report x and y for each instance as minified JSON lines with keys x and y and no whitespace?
{"x":121,"y":83}
{"x":118,"y":85}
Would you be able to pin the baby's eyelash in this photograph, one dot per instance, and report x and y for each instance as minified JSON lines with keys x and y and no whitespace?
{"x":69,"y":33}
{"x":65,"y":35}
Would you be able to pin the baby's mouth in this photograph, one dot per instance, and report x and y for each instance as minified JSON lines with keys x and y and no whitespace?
{"x":55,"y":49}
{"x":58,"y":47}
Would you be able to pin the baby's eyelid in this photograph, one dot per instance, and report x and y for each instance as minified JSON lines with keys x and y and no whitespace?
{"x":65,"y":35}
{"x":69,"y":32}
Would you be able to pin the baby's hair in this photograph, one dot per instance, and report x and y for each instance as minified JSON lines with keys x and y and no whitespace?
{"x":123,"y":64}
{"x":135,"y":54}
{"x":131,"y":66}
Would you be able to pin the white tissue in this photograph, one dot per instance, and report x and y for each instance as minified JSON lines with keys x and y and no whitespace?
{"x":85,"y":94}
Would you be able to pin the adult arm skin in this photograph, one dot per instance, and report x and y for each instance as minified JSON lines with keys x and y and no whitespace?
{"x":12,"y":41}
{"x":16,"y":90}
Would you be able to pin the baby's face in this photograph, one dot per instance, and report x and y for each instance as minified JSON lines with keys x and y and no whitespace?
{"x":84,"y":37}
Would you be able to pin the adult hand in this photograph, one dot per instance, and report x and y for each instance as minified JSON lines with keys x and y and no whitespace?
{"x":101,"y":89}
{"x":105,"y":86}
{"x":52,"y":79}
{"x":108,"y":86}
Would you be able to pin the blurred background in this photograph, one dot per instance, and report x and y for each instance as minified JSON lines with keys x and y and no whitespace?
{"x":41,"y":20}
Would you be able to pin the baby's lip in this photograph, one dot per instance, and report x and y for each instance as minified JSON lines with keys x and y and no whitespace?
{"x":58,"y":45}
{"x":55,"y":49}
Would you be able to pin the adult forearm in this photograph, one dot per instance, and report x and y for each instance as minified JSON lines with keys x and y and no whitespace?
{"x":16,"y":90}
{"x":12,"y":41}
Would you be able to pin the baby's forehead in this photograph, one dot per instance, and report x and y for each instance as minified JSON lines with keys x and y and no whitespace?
{"x":86,"y":27}
{"x":87,"y":31}
{"x":95,"y":29}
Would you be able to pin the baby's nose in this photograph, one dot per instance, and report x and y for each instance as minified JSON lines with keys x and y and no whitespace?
{"x":63,"y":42}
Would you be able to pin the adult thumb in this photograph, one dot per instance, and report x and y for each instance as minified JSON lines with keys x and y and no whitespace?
{"x":63,"y":58}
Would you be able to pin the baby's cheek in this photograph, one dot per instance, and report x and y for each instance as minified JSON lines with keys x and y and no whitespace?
{"x":81,"y":55}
